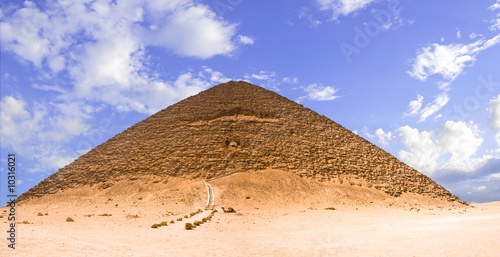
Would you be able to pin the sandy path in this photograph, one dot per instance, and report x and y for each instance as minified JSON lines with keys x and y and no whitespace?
{"x":210,"y":195}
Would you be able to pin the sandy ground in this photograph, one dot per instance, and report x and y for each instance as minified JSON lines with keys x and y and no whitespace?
{"x":318,"y":232}
{"x":364,"y":223}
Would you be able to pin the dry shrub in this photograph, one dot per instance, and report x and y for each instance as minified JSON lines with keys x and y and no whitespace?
{"x":179,"y":219}
{"x":155,"y":226}
{"x":132,"y":216}
{"x":188,"y":226}
{"x":69,"y":219}
{"x":40,"y":214}
{"x":197,"y":223}
{"x":330,"y":208}
{"x":186,"y":216}
{"x":46,"y":213}
{"x":204,"y":219}
{"x":164,"y":223}
{"x":105,"y":215}
{"x":172,"y":221}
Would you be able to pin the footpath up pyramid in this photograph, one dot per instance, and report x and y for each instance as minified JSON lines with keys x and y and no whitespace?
{"x":234,"y":127}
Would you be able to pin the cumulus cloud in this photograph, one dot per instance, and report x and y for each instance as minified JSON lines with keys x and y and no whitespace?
{"x":315,"y":92}
{"x":495,"y":116}
{"x":384,"y":138}
{"x":480,"y":185}
{"x":188,"y":29}
{"x":48,"y":124}
{"x":448,"y":61}
{"x":103,"y":48}
{"x":246,"y":40}
{"x":103,"y":45}
{"x":453,"y":146}
{"x":17,"y":122}
{"x":343,"y":7}
{"x":495,"y":5}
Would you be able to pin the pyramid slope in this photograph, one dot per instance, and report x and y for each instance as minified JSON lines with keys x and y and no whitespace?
{"x":234,"y":127}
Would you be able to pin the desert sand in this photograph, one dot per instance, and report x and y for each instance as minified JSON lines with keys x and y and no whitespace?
{"x":276,"y":216}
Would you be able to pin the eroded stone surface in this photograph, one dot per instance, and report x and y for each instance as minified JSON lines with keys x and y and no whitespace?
{"x":239,"y":126}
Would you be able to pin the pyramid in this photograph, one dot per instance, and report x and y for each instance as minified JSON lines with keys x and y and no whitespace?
{"x":234,"y":127}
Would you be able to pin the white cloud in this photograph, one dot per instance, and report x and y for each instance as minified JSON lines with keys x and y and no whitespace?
{"x":474,"y":35}
{"x":495,"y":112}
{"x":262,"y":75}
{"x":495,"y":116}
{"x":267,"y":79}
{"x":246,"y":40}
{"x":343,"y":7}
{"x":189,"y":29}
{"x":317,"y":92}
{"x":215,"y":76}
{"x":54,"y":88}
{"x":367,"y":134}
{"x":103,"y":45}
{"x":459,"y":34}
{"x":452,"y":147}
{"x":304,"y":14}
{"x":290,"y":80}
{"x":21,"y":35}
{"x":37,"y":130}
{"x":383,"y":138}
{"x":414,"y":106}
{"x":439,"y":102}
{"x":495,"y":6}
{"x":495,"y":23}
{"x":18,"y":124}
{"x":448,"y":61}
{"x":480,"y":188}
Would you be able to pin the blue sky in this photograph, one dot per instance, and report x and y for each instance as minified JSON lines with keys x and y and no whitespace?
{"x":421,"y":79}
